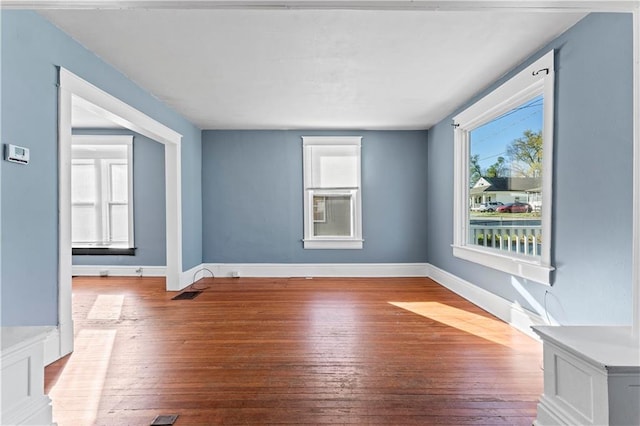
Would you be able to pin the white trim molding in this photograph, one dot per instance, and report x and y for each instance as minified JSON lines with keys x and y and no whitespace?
{"x":118,"y":271}
{"x":192,"y":275}
{"x":536,"y":79}
{"x":52,"y":346}
{"x":73,"y":90}
{"x":428,"y":5}
{"x":346,"y":177}
{"x":287,"y":270}
{"x":100,"y":160}
{"x":509,"y":312}
{"x":635,"y":273}
{"x":518,"y":266}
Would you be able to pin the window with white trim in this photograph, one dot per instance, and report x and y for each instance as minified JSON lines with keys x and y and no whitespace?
{"x":503,"y":155}
{"x":332,"y":193}
{"x":102,"y":192}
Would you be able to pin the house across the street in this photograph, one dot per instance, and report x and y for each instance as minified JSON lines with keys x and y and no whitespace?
{"x":506,"y":190}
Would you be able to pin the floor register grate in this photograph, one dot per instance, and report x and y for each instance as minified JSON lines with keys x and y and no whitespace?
{"x":165,"y":420}
{"x":187,"y":295}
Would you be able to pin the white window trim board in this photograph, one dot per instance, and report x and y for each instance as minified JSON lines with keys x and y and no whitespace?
{"x":334,"y":243}
{"x":510,"y":94}
{"x":331,"y":140}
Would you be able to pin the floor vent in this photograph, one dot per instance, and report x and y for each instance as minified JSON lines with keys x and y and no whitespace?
{"x":165,"y":420}
{"x":187,"y":295}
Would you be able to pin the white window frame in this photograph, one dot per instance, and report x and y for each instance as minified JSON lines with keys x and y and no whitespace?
{"x":310,"y":241}
{"x":104,"y":189}
{"x":536,"y":79}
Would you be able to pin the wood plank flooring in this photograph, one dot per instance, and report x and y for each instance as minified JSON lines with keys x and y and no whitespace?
{"x":400,"y":351}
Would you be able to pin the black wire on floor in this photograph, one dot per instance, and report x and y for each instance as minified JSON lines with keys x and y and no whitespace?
{"x":193,"y":286}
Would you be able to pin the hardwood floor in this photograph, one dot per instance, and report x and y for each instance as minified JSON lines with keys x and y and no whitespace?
{"x":401,"y":351}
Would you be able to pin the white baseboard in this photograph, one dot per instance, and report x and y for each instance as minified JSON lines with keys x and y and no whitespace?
{"x":286,"y":270}
{"x":118,"y":271}
{"x":192,"y":275}
{"x":509,"y":312}
{"x":52,"y":346}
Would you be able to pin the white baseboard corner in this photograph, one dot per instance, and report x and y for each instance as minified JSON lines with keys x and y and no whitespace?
{"x":118,"y":271}
{"x":509,"y":312}
{"x":52,"y":346}
{"x":194,"y":274}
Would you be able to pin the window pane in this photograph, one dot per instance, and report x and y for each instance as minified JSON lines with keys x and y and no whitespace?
{"x":319,"y":209}
{"x":100,"y":182}
{"x":335,"y":212}
{"x":505,"y":181}
{"x":83,"y":224}
{"x":83,"y":183}
{"x":119,"y":183}
{"x":119,"y":223}
{"x":334,"y":167}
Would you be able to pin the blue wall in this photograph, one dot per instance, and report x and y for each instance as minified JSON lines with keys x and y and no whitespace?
{"x":242,"y":190}
{"x":252,"y":197}
{"x":149,"y":212}
{"x":31,"y":50}
{"x":592,"y":204}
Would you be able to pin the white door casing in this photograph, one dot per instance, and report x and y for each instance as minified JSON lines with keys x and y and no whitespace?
{"x":72,"y":89}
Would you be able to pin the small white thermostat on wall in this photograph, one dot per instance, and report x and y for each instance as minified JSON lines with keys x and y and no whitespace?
{"x":16,"y":154}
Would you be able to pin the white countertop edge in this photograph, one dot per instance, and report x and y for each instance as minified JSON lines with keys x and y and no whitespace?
{"x":610,"y":347}
{"x":15,"y":338}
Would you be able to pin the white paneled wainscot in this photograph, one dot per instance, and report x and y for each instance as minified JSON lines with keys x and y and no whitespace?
{"x":23,"y":399}
{"x":591,"y":376}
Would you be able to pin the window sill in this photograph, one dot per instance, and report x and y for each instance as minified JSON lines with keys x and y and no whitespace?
{"x":102,"y":251}
{"x":525,"y":268}
{"x":333,"y":244}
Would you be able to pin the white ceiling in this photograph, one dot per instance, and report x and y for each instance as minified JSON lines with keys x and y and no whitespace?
{"x":312,"y":69}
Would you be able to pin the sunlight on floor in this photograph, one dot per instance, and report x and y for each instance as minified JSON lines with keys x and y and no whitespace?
{"x":84,"y":375}
{"x":487,"y":328}
{"x":106,"y":307}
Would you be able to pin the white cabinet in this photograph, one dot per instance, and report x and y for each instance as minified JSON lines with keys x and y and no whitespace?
{"x":591,"y":376}
{"x":22,"y":398}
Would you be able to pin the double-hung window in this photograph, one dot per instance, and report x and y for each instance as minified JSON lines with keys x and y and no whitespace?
{"x":503,"y":175}
{"x":102,"y":192}
{"x":332,"y":193}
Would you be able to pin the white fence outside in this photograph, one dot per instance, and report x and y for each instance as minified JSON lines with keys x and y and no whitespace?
{"x":521,"y":239}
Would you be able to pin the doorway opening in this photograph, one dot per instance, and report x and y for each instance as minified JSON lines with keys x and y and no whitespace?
{"x":76,"y":93}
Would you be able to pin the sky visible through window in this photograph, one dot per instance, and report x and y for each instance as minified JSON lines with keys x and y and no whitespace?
{"x":491,"y":140}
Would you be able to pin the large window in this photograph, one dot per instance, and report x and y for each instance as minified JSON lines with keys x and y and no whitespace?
{"x":101,"y":192}
{"x":503,"y":174}
{"x":332,"y":200}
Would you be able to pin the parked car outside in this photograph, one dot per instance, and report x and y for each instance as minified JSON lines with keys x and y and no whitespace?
{"x":487,"y":207}
{"x":516,"y":207}
{"x":491,"y":206}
